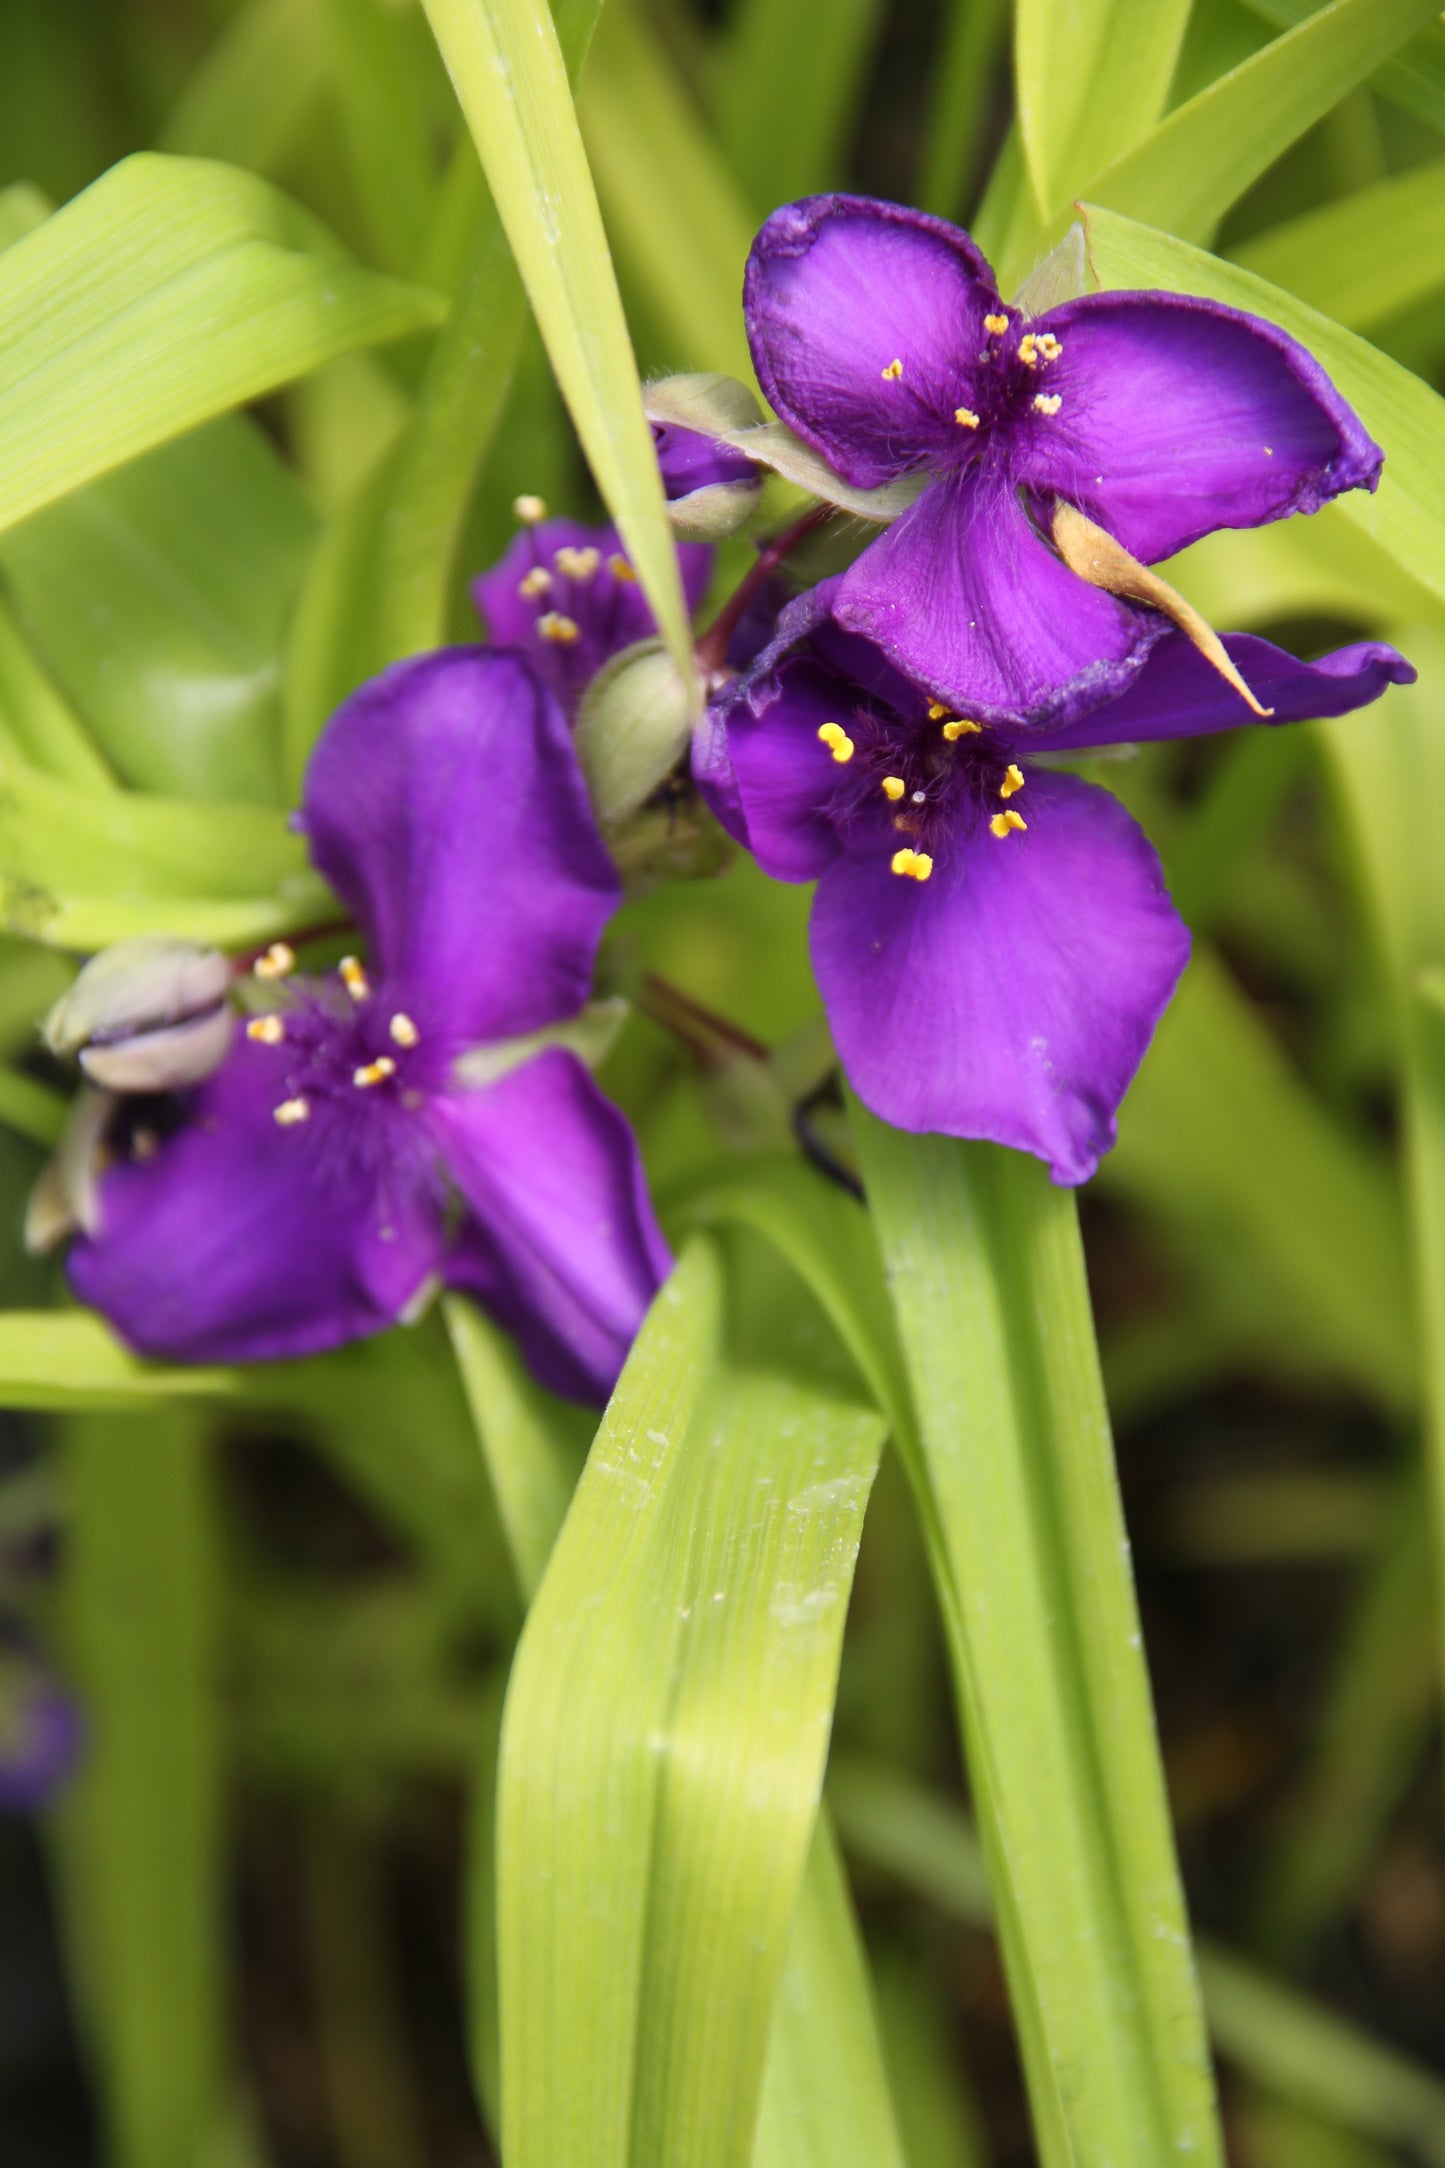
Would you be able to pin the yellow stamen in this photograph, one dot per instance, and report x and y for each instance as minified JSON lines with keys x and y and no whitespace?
{"x":144,"y":1145}
{"x":1029,"y":350}
{"x":353,"y":978}
{"x":529,"y":509}
{"x":403,"y":1030}
{"x":961,"y":727}
{"x":266,"y":1030}
{"x":837,"y":740}
{"x":375,"y":1072}
{"x":620,"y":569}
{"x":1013,"y":780}
{"x":537,"y":582}
{"x":893,"y":371}
{"x":1003,"y":824}
{"x":965,"y":417}
{"x":915,"y":865}
{"x":577,"y":564}
{"x":1048,"y":346}
{"x":894,"y":787}
{"x":995,"y":324}
{"x":277,"y":961}
{"x":290,"y":1112}
{"x":561,"y":631}
{"x":937,"y":709}
{"x":1047,"y":402}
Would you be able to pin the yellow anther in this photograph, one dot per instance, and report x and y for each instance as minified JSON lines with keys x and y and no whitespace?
{"x":403,"y":1030}
{"x":354,"y":978}
{"x":1047,"y":402}
{"x":144,"y":1145}
{"x":620,"y":569}
{"x":561,"y":631}
{"x":1004,"y":824}
{"x":277,"y":961}
{"x":1013,"y":780}
{"x":537,"y":582}
{"x":577,"y":564}
{"x":915,"y":865}
{"x":961,"y":727}
{"x":937,"y":709}
{"x":1029,"y":350}
{"x":529,"y":509}
{"x":837,"y":740}
{"x":374,"y":1072}
{"x":893,"y":371}
{"x":965,"y":417}
{"x":894,"y":787}
{"x":995,"y":324}
{"x":290,"y":1112}
{"x":1048,"y":346}
{"x":266,"y":1030}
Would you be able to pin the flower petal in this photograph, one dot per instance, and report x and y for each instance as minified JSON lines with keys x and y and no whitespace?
{"x":242,"y":1240}
{"x":445,"y":805}
{"x":779,"y":782}
{"x":963,"y":596}
{"x":560,"y":1242}
{"x":839,"y":289}
{"x":1178,"y":415}
{"x":1012,"y":995}
{"x":531,"y":592}
{"x":1178,"y":694}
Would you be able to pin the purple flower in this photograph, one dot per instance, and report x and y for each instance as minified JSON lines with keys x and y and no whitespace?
{"x":879,"y":337}
{"x":993,"y":940}
{"x":690,"y":460}
{"x":565,"y":596}
{"x":40,"y":1728}
{"x":396,"y":1123}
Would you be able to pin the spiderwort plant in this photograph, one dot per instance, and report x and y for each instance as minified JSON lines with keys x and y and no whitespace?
{"x":878,"y":335}
{"x":993,"y":940}
{"x":409,"y":1119}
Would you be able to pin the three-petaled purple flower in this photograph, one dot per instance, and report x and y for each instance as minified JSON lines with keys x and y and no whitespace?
{"x":879,"y":337}
{"x":993,"y":940}
{"x":565,"y":596}
{"x":404,"y":1121}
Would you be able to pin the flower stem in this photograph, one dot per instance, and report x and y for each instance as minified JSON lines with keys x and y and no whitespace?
{"x":712,"y":646}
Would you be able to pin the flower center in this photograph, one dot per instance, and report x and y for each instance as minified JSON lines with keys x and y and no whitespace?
{"x":920,"y":787}
{"x":337,"y":1045}
{"x":1008,"y":383}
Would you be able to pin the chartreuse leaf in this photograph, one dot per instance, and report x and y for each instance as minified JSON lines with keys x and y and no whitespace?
{"x":1020,"y":1505}
{"x":679,"y":224}
{"x":1365,"y":256}
{"x":251,"y":96}
{"x":1414,"y":79}
{"x":36,"y":724}
{"x":508,"y":68}
{"x":141,"y":1833}
{"x":169,"y":291}
{"x":789,"y":93}
{"x":158,"y":598}
{"x":384,"y":125}
{"x":1407,"y":513}
{"x":678,"y":1661}
{"x":1091,"y":81}
{"x":22,"y":209}
{"x":81,"y":868}
{"x":973,"y":35}
{"x":1185,"y":174}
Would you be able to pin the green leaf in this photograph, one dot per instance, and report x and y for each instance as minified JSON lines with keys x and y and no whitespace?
{"x":22,"y":209}
{"x":1201,"y":159}
{"x":825,"y":2092}
{"x":79,"y":869}
{"x":31,"y":1109}
{"x":1092,"y":79}
{"x":254,"y":92}
{"x":384,"y":125}
{"x":69,"y":1359}
{"x":164,"y":623}
{"x":142,"y":1834}
{"x":1415,"y":78}
{"x":788,"y":97}
{"x":504,"y":58}
{"x":1406,"y":515}
{"x":677,"y":1666}
{"x":166,"y":293}
{"x":36,"y":724}
{"x":681,"y":228}
{"x":973,"y":35}
{"x":1020,"y":1503}
{"x":1365,"y":257}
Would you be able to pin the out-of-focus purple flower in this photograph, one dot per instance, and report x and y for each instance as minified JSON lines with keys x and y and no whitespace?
{"x":406,"y":1121}
{"x":40,"y":1728}
{"x":993,"y":941}
{"x":566,"y":597}
{"x":690,"y":461}
{"x":879,"y":337}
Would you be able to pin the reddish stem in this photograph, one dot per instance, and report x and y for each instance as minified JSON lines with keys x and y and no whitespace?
{"x":712,"y":646}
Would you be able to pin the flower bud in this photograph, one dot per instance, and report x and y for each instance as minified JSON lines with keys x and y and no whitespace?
{"x":712,"y":487}
{"x":149,"y":1015}
{"x":632,"y":729}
